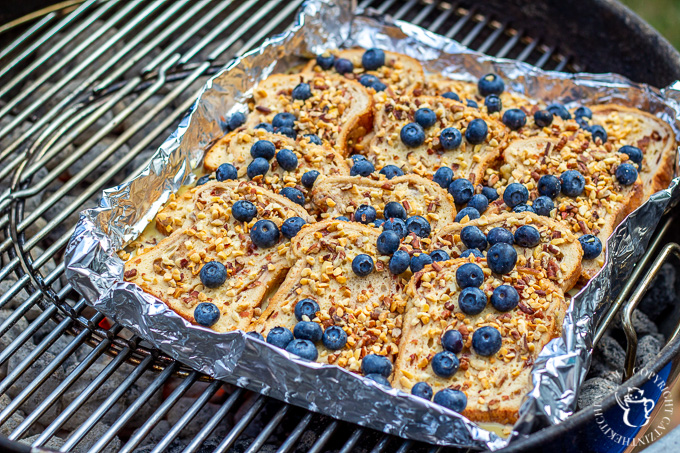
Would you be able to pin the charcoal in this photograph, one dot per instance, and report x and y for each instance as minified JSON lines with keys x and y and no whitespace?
{"x":593,"y":391}
{"x":99,"y":124}
{"x":599,"y":368}
{"x":241,"y":445}
{"x":54,"y":442}
{"x":97,"y":150}
{"x":198,"y":421}
{"x":14,"y":420}
{"x":648,"y":348}
{"x":662,"y":292}
{"x":140,"y":160}
{"x":210,"y":445}
{"x":306,"y":441}
{"x":641,"y":323}
{"x":16,"y":300}
{"x":93,"y":436}
{"x":154,"y":436}
{"x":611,"y":352}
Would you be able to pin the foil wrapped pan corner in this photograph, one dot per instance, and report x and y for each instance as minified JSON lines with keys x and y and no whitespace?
{"x":96,"y":272}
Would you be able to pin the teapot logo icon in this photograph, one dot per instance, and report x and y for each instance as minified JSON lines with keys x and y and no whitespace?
{"x":631,"y":403}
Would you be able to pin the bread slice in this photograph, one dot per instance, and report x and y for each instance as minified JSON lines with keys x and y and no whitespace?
{"x":170,"y":270}
{"x":369,"y":309}
{"x":557,"y":257}
{"x":338,"y":109}
{"x":342,"y":195}
{"x":495,"y":386}
{"x":467,"y":161}
{"x":400,"y":73}
{"x":603,"y":204}
{"x":655,"y":137}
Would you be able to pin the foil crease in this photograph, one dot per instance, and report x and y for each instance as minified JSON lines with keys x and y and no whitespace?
{"x":96,"y":272}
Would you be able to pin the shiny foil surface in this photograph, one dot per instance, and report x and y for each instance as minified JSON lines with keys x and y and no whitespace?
{"x":96,"y":272}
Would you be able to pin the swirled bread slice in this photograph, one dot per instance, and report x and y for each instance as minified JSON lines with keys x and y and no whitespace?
{"x":400,"y":73}
{"x":494,"y":385}
{"x":604,"y":202}
{"x":467,"y":161}
{"x":342,"y":195}
{"x":170,"y":270}
{"x":369,"y":309}
{"x":655,"y":137}
{"x":337,"y":110}
{"x":557,"y":257}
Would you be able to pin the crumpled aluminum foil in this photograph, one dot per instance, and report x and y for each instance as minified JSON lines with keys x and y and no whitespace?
{"x":94,"y":269}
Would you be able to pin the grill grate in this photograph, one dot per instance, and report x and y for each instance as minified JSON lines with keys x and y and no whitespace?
{"x":87,"y":93}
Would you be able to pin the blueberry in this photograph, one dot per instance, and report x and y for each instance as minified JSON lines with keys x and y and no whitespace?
{"x":412,"y":135}
{"x":583,"y":123}
{"x":469,"y":275}
{"x":451,"y":95}
{"x":378,"y":223}
{"x":504,"y":298}
{"x":498,"y":235}
{"x":524,"y":208}
{"x":634,"y":153}
{"x":334,"y":338}
{"x":418,"y":225}
{"x":294,"y":195}
{"x":543,"y":205}
{"x":472,"y":301}
{"x":549,"y":186}
{"x":469,"y":212}
{"x":325,"y":61}
{"x":445,"y":364}
{"x":543,"y":118}
{"x":302,"y":92}
{"x":439,"y":255}
{"x":343,"y":65}
{"x":479,"y":202}
{"x":583,"y":112}
{"x":382,"y":380}
{"x":368,"y":80}
{"x":244,"y":211}
{"x":202,"y":180}
{"x":365,"y":214}
{"x":309,"y":178}
{"x":284,"y":119}
{"x":379,"y":86}
{"x":280,"y":337}
{"x":452,"y":341}
{"x":450,"y":138}
{"x":308,"y":330}
{"x":472,"y":104}
{"x":342,"y":218}
{"x":362,"y":168}
{"x":591,"y":245}
{"x":493,"y":103}
{"x":476,"y":131}
{"x":264,"y":234}
{"x":255,"y":335}
{"x":451,"y":399}
{"x":514,"y":119}
{"x":598,"y":132}
{"x":362,"y":265}
{"x":490,"y":84}
{"x":266,"y":126}
{"x":292,"y":226}
{"x":206,"y":313}
{"x":527,"y":236}
{"x":357,"y":157}
{"x":236,"y":120}
{"x":515,"y":194}
{"x":462,"y":190}
{"x":304,"y":349}
{"x":422,"y":390}
{"x":225,"y":172}
{"x":486,"y":341}
{"x":501,"y":258}
{"x":388,"y":242}
{"x":572,"y":183}
{"x":425,"y":117}
{"x":399,"y":262}
{"x":213,"y":274}
{"x":418,"y":262}
{"x":490,"y":193}
{"x":314,"y":139}
{"x":474,"y":252}
{"x":376,"y":364}
{"x":258,"y":167}
{"x":372,"y":59}
{"x":287,"y":159}
{"x":287,"y":131}
{"x":443,"y":177}
{"x":473,"y":237}
{"x":396,"y":225}
{"x":391,"y":171}
{"x":306,"y":307}
{"x":626,"y":174}
{"x":560,"y":110}
{"x":394,"y":210}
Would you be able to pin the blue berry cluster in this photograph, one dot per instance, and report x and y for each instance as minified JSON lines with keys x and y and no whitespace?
{"x":462,"y":190}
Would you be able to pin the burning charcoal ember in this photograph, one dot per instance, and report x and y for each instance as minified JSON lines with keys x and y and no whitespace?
{"x":648,"y":348}
{"x":197,"y":423}
{"x":593,"y":391}
{"x":641,"y":323}
{"x":599,"y":368}
{"x":611,"y":352}
{"x":663,"y":292}
{"x":14,"y":420}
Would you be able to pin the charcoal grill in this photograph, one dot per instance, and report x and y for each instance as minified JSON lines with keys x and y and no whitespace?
{"x":89,"y":89}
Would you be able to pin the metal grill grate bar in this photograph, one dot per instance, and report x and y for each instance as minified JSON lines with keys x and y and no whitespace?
{"x":241,"y":425}
{"x":268,"y":429}
{"x":214,"y":421}
{"x":325,"y":436}
{"x":293,"y":437}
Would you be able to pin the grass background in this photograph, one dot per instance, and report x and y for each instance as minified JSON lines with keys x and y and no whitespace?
{"x":664,"y":15}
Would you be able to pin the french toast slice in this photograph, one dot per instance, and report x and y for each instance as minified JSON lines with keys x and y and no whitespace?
{"x":467,"y":160}
{"x":337,"y":110}
{"x":557,"y":257}
{"x":400,"y":73}
{"x":495,"y":385}
{"x":369,"y":309}
{"x":654,"y":137}
{"x":170,"y":271}
{"x":342,"y":195}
